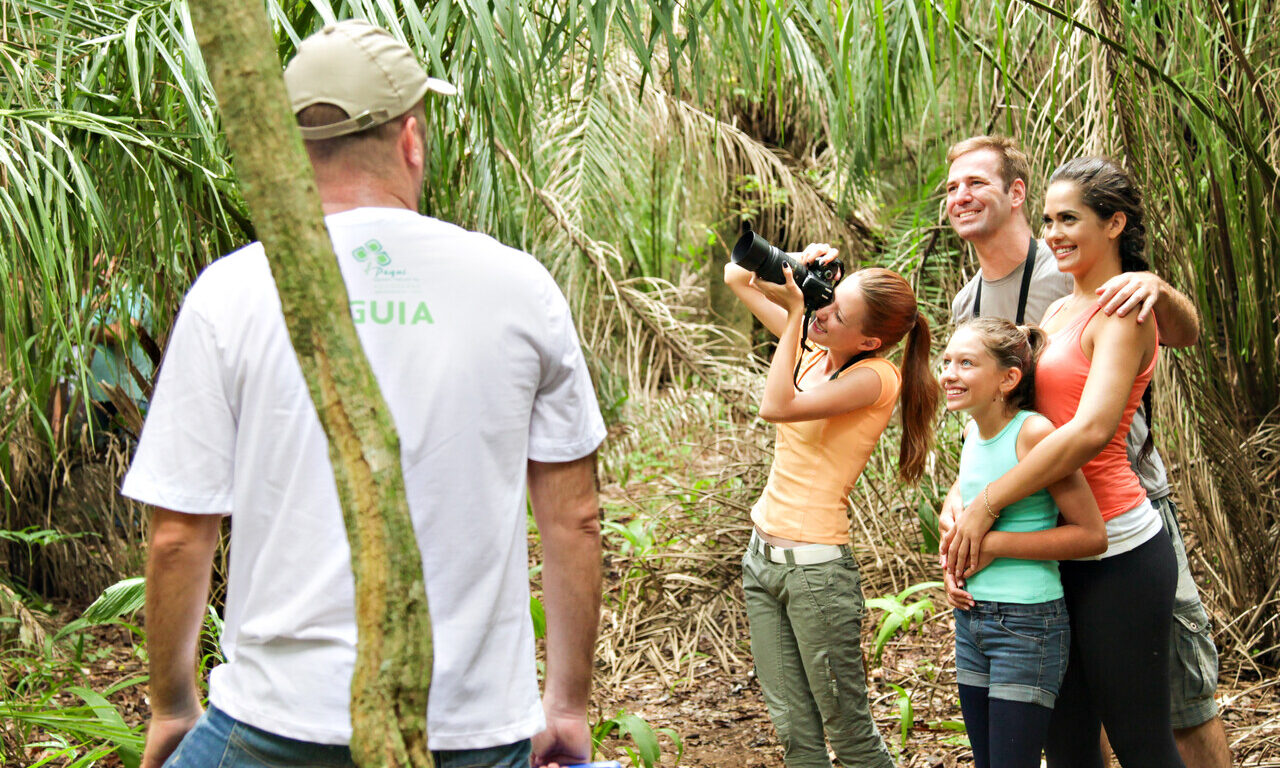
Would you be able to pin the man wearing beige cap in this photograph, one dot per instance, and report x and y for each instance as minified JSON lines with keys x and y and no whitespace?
{"x":487,"y":386}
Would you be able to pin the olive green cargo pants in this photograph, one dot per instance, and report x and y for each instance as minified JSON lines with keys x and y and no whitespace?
{"x":806,"y":625}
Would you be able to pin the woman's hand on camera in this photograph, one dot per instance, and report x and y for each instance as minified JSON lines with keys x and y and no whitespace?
{"x":787,"y":296}
{"x":819,"y":252}
{"x":822,"y":253}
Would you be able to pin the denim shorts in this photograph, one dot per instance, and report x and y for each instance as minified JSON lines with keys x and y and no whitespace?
{"x":1018,"y":652}
{"x":219,"y":741}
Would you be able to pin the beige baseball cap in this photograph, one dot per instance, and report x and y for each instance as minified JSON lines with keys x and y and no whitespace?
{"x":361,"y":68}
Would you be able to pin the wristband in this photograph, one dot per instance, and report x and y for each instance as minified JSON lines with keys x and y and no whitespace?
{"x":986,"y":499}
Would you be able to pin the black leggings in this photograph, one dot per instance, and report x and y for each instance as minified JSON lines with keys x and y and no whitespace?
{"x":1003,"y":734}
{"x":1118,"y":672}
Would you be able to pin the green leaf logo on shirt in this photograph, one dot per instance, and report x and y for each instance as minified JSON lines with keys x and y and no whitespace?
{"x":370,"y":255}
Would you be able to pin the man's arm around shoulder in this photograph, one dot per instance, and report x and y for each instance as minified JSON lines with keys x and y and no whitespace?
{"x":1176,"y":315}
{"x":179,"y":562}
{"x":567,"y":511}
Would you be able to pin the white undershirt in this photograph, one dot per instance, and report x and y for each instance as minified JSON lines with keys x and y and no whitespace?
{"x":1129,"y":530}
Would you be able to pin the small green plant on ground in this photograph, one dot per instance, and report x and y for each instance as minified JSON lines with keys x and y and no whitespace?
{"x":900,"y":616}
{"x":35,"y":682}
{"x":958,"y":733}
{"x":126,"y":597}
{"x":43,"y":729}
{"x":73,"y":736}
{"x":906,"y":712}
{"x":642,"y":735}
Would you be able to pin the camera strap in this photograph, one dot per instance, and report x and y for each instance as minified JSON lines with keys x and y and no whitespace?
{"x":1028,"y":266}
{"x":804,"y":347}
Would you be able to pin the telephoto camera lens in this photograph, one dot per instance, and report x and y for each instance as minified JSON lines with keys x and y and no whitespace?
{"x":817,"y":282}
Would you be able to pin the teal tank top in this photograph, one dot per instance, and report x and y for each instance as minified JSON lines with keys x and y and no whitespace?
{"x":1007,"y":579}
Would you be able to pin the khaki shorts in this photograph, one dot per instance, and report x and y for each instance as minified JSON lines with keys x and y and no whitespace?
{"x":1193,"y":657}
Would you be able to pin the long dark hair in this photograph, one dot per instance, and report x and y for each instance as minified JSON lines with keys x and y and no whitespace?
{"x":1107,"y":189}
{"x":891,"y":314}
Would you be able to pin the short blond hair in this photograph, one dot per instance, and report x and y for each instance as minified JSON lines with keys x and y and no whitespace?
{"x":1013,"y":161}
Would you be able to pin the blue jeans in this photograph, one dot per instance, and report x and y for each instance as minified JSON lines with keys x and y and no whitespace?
{"x":218,"y":741}
{"x":1016,"y":651}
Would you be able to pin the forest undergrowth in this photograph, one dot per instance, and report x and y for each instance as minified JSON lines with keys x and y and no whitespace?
{"x":673,"y":672}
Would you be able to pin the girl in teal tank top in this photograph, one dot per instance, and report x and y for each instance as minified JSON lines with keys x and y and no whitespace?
{"x":1008,"y":579}
{"x":1012,"y":632}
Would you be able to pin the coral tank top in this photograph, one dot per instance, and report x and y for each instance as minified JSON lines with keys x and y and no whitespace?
{"x":1060,"y":377}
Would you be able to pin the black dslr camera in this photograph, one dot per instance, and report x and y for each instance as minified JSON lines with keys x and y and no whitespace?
{"x":817,"y":281}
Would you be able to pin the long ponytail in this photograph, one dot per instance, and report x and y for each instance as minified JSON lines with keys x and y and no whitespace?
{"x":891,"y":314}
{"x":919,"y":402}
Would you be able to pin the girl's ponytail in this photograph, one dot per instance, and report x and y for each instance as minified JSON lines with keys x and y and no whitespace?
{"x":919,"y":402}
{"x":1033,"y":342}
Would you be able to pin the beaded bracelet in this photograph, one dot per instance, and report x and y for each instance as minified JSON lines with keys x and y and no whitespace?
{"x":986,"y":498}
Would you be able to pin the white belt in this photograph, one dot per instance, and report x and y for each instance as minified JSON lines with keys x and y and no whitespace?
{"x":805,"y":554}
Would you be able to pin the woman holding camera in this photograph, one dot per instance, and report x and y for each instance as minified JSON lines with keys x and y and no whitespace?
{"x":1090,"y":380}
{"x":803,"y":593}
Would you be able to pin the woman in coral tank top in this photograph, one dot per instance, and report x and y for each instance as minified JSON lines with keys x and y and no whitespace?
{"x":1090,"y":380}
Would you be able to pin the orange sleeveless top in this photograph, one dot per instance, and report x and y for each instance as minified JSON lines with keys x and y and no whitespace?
{"x":816,"y":463}
{"x":1060,"y":377}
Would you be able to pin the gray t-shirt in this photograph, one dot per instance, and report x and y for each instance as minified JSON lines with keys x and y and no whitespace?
{"x":1000,"y":299}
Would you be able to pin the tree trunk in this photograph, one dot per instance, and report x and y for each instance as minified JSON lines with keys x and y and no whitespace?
{"x":393,"y":663}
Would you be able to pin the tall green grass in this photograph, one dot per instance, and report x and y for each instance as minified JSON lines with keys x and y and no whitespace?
{"x":621,"y":142}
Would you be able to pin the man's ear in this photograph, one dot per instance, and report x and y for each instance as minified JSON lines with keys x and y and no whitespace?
{"x":1017,"y":193}
{"x":410,"y":142}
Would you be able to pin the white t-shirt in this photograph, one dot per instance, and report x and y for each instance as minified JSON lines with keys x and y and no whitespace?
{"x":475,"y":351}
